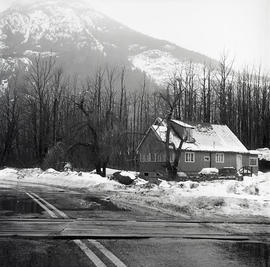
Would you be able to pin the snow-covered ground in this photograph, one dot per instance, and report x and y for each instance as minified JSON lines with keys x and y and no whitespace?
{"x":250,"y":197}
{"x":264,"y":153}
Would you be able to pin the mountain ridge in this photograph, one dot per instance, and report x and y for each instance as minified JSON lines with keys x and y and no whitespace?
{"x":78,"y":34}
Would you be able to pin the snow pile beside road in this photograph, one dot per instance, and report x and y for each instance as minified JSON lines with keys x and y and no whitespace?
{"x":72,"y":180}
{"x":250,"y":197}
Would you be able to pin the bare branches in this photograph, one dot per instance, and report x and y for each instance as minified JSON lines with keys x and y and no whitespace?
{"x":109,"y":114}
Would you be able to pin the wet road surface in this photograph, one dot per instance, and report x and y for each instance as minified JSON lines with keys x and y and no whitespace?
{"x":164,"y":240}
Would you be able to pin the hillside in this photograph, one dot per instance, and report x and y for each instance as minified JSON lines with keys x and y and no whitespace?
{"x":81,"y":37}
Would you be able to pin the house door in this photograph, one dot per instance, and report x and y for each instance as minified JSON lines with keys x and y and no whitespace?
{"x":239,"y":162}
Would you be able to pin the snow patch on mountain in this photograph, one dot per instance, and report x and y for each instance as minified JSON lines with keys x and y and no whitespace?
{"x":2,"y":45}
{"x":169,"y":47}
{"x":42,"y":54}
{"x":110,"y":44}
{"x":12,"y":64}
{"x":52,"y":23}
{"x":161,"y":66}
{"x":136,"y":47}
{"x":157,"y":64}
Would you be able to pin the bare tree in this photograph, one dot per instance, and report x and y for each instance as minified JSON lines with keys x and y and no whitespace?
{"x":171,"y":101}
{"x":39,"y":80}
{"x":9,"y":121}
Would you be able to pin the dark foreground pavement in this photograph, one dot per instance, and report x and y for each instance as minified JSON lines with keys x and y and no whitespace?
{"x":46,"y":226}
{"x":135,"y":252}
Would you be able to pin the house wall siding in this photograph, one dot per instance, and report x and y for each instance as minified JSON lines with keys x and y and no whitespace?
{"x":229,"y":161}
{"x":200,"y":163}
{"x":151,"y":144}
{"x":190,"y":167}
{"x":152,"y":166}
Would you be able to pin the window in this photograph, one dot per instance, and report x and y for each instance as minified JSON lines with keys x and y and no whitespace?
{"x":206,"y":158}
{"x":219,"y":157}
{"x":253,"y":162}
{"x":153,"y":158}
{"x":159,"y":158}
{"x":146,"y":157}
{"x":189,"y":157}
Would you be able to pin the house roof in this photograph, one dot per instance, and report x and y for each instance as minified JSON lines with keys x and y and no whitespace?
{"x":183,"y":124}
{"x":208,"y":137}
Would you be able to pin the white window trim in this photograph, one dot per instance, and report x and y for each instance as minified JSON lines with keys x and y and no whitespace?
{"x":191,"y":153}
{"x":159,"y":157}
{"x":218,"y":155}
{"x":253,"y":158}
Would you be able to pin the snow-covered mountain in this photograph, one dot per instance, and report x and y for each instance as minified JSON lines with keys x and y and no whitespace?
{"x":81,"y":38}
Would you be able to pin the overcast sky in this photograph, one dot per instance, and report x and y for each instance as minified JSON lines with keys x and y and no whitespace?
{"x":241,"y":27}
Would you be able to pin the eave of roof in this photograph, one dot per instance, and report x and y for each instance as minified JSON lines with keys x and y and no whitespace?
{"x":183,"y":124}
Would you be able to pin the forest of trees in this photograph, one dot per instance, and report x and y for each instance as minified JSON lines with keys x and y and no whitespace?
{"x":48,"y":117}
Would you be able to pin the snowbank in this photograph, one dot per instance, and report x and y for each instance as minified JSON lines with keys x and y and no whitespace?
{"x":250,"y":197}
{"x":208,"y":171}
{"x":51,"y":177}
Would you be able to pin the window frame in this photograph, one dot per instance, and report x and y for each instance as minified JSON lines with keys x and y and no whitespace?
{"x":218,"y":156}
{"x":188,"y":157}
{"x":147,"y":157}
{"x":158,"y":157}
{"x":253,"y":158}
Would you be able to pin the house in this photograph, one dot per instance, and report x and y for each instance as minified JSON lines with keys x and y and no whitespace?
{"x":207,"y":146}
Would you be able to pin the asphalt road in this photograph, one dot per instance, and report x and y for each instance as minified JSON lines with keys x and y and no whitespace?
{"x":46,"y":226}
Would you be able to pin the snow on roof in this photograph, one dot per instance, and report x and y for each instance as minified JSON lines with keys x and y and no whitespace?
{"x":208,"y":137}
{"x":161,"y":133}
{"x":254,"y":152}
{"x":159,"y":121}
{"x":183,"y":124}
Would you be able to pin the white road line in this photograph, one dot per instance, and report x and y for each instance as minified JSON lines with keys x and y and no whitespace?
{"x":89,"y":253}
{"x":117,"y":262}
{"x":43,"y":206}
{"x":62,"y":214}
